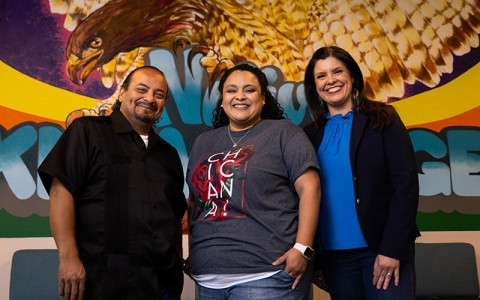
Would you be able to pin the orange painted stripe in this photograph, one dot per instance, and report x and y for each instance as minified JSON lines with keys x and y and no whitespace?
{"x":468,"y":118}
{"x":11,"y":118}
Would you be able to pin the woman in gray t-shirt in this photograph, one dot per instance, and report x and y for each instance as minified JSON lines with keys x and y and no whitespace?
{"x":254,"y":197}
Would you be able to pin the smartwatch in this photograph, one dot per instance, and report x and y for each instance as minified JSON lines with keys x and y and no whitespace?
{"x":306,"y":251}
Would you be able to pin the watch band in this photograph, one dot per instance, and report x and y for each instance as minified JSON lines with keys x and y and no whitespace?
{"x":306,"y":251}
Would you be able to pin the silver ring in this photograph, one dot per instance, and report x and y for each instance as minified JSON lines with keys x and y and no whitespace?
{"x":388,"y":273}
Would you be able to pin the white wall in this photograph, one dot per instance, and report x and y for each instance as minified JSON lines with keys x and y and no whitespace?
{"x":10,"y":245}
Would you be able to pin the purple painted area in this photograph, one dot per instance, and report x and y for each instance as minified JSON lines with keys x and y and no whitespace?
{"x":33,"y":41}
{"x":460,"y":65}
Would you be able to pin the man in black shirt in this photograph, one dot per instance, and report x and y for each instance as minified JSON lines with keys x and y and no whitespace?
{"x":116,"y":200}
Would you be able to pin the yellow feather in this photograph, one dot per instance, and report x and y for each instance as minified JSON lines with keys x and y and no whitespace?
{"x":394,"y":42}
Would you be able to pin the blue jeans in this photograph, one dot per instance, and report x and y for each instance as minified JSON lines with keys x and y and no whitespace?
{"x":349,"y":275}
{"x":276,"y":287}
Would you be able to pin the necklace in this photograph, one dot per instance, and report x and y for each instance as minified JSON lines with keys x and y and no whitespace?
{"x":236,"y":143}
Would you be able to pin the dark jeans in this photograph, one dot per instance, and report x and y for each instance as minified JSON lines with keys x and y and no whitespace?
{"x":349,"y":275}
{"x":164,"y":294}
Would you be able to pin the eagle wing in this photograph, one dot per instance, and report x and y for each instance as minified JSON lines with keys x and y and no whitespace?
{"x":75,"y":11}
{"x":262,"y":32}
{"x":394,"y":42}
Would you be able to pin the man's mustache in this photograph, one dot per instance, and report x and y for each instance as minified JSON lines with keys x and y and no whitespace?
{"x":152,"y":105}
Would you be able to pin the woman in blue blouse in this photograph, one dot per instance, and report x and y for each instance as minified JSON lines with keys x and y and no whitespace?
{"x":370,"y":188}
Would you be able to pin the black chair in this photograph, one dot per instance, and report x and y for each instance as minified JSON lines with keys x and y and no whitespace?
{"x":446,"y":271}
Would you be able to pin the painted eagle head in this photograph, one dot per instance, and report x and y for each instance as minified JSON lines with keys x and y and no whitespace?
{"x":121,"y":26}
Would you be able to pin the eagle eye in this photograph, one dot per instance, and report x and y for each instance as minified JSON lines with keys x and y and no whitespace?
{"x":96,"y":42}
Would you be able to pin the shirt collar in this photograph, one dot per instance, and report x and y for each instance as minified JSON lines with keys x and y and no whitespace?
{"x":348,"y":115}
{"x":120,"y":123}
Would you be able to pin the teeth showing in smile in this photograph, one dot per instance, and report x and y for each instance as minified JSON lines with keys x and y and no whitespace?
{"x":334,"y":89}
{"x":240,"y":105}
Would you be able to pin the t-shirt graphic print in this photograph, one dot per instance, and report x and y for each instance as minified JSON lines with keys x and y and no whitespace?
{"x":215,"y":177}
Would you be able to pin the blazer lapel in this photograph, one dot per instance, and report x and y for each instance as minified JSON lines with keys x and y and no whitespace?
{"x":358,"y":128}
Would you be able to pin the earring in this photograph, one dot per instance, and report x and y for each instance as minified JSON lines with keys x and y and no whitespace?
{"x":221,"y":105}
{"x":263,"y":103}
{"x":355,"y":99}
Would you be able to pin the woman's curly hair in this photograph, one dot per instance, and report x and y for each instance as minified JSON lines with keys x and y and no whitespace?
{"x":271,"y":109}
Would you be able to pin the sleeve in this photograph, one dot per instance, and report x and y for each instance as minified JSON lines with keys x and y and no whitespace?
{"x":68,"y":159}
{"x":298,"y":153}
{"x":402,"y":171}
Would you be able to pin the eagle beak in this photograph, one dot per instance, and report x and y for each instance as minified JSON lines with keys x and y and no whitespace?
{"x":78,"y":69}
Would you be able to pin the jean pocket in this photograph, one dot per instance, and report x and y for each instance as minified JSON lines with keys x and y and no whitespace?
{"x":285,"y":274}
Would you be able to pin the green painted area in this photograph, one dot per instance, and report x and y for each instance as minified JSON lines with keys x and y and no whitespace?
{"x":32,"y":226}
{"x":441,"y":221}
{"x":37,"y":226}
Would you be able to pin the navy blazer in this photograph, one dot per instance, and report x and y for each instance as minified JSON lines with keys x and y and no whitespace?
{"x":385,"y":182}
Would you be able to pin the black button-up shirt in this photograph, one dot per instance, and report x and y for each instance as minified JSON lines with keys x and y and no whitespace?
{"x":155,"y":202}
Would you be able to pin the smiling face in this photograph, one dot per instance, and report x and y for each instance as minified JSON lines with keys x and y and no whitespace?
{"x":144,"y":99}
{"x":333,"y":83}
{"x":242,"y":99}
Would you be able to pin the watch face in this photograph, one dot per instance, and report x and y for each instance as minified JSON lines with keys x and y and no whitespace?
{"x":308,"y":252}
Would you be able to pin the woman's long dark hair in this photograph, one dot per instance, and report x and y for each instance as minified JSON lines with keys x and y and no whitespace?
{"x":382,"y":114}
{"x":271,"y":109}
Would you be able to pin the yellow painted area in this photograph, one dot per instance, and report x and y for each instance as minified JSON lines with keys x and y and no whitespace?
{"x":23,"y":93}
{"x":449,"y":100}
{"x":26,"y":94}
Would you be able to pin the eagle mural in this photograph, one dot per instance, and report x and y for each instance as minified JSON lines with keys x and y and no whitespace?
{"x":394,"y":42}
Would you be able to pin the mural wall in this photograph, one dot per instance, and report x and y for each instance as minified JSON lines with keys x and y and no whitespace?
{"x":62,"y":59}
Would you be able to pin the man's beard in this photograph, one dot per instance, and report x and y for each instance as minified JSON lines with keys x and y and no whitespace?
{"x":145,"y":116}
